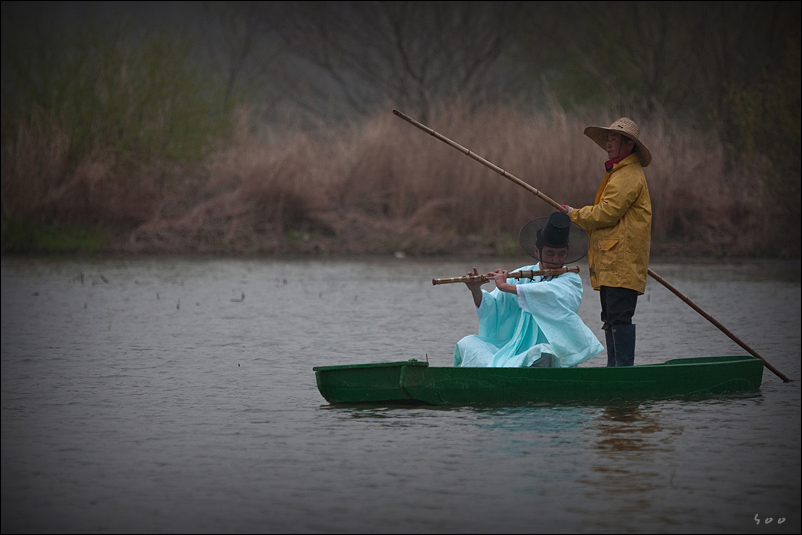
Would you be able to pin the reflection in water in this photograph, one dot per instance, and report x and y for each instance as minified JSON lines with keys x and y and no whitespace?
{"x":625,"y":428}
{"x":630,"y":442}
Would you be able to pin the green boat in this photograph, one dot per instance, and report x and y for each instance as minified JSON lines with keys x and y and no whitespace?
{"x":415,"y":382}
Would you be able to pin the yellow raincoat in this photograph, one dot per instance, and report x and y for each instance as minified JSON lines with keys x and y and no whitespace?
{"x":620,"y":228}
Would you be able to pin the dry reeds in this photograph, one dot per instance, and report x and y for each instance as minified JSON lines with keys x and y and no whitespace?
{"x":33,"y":165}
{"x":384,"y":186}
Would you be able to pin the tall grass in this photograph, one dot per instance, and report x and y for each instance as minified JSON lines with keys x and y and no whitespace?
{"x":145,"y":97}
{"x":33,"y":165}
{"x":384,"y":186}
{"x":95,"y":123}
{"x":133,"y":132}
{"x":105,"y":128}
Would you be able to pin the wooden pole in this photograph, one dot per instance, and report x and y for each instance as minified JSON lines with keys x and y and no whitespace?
{"x":523,"y":274}
{"x":481,"y":160}
{"x":715,"y":322}
{"x":559,"y":207}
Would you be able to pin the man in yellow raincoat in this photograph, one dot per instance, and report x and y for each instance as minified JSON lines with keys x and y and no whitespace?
{"x":620,"y":225}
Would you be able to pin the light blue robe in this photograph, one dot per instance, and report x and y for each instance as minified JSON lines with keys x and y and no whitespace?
{"x":511,"y":337}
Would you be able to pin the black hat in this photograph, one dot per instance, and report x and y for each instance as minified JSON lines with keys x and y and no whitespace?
{"x":558,"y":231}
{"x":555,"y":232}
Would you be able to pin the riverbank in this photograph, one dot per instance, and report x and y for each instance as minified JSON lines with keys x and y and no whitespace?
{"x":359,"y":239}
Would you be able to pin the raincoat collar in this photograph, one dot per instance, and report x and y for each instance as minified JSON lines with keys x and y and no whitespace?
{"x":608,"y":165}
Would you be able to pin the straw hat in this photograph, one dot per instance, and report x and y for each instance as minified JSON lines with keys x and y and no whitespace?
{"x":625,"y":127}
{"x":555,"y":230}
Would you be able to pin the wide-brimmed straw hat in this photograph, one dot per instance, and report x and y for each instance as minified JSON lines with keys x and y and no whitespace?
{"x":555,"y":230}
{"x":625,"y":127}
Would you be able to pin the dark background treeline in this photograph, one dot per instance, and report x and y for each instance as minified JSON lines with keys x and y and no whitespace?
{"x":246,"y":127}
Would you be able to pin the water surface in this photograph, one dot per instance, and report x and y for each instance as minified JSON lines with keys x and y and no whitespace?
{"x":177,"y":395}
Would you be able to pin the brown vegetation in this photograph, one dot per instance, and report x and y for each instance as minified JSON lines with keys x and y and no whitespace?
{"x":385,"y":186}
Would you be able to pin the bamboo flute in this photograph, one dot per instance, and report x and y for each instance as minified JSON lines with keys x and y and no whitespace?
{"x":559,"y":207}
{"x":522,"y":274}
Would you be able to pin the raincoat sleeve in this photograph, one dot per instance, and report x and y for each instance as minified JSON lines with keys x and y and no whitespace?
{"x":621,"y":191}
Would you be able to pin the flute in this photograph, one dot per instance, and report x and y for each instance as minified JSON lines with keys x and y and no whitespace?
{"x":523,"y":274}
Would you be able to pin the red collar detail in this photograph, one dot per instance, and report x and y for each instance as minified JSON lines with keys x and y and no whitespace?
{"x":608,"y":165}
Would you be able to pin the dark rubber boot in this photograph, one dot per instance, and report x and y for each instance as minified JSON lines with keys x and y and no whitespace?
{"x":608,"y":336}
{"x":624,"y":343}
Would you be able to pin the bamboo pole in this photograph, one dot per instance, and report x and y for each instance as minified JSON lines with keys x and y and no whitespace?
{"x":522,"y":274}
{"x":481,"y":160}
{"x":715,"y":322}
{"x":559,"y":207}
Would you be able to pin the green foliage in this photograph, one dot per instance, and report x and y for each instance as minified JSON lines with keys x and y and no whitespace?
{"x":32,"y":237}
{"x":146,"y":98}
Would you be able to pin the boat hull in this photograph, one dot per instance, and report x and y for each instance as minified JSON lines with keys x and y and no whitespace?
{"x":414,"y":382}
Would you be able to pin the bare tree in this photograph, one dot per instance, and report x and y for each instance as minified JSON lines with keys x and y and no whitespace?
{"x":417,"y":55}
{"x":736,"y":46}
{"x":240,"y":40}
{"x":636,"y":52}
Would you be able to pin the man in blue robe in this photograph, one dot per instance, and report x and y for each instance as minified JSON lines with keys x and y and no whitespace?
{"x":533,"y":322}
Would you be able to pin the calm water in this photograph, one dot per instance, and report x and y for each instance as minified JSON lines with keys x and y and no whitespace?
{"x":177,"y":395}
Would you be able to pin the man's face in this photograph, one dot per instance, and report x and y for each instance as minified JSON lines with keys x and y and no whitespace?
{"x":616,"y":147}
{"x":553,"y":258}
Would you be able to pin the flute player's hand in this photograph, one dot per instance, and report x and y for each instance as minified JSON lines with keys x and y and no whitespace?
{"x":500,"y":278}
{"x":475,"y":285}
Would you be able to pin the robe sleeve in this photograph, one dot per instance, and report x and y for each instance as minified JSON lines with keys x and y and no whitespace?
{"x":554,"y":304}
{"x":498,"y":315}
